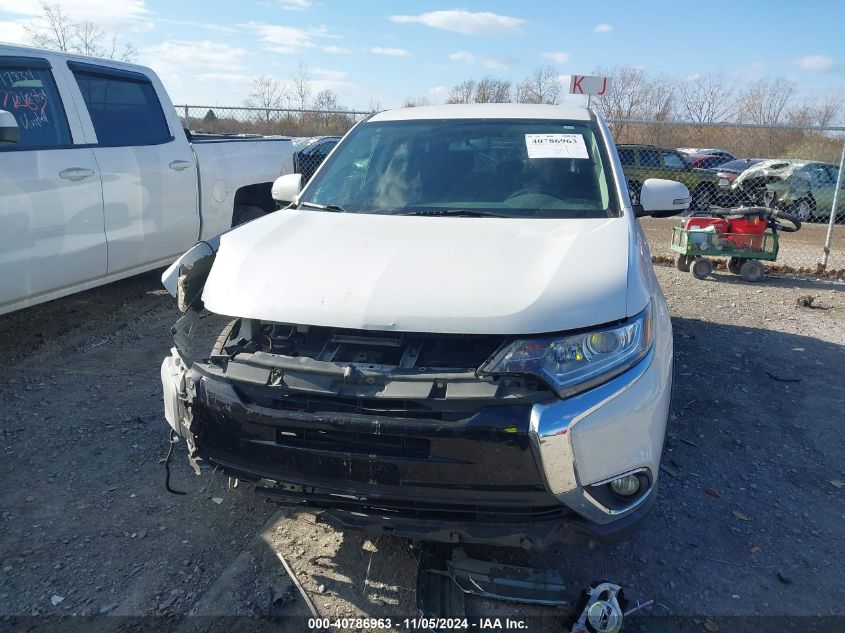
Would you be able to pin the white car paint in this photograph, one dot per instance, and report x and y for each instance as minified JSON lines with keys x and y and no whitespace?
{"x":424,"y":274}
{"x":114,"y":211}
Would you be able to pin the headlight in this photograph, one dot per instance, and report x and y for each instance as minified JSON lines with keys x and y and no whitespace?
{"x":576,"y":362}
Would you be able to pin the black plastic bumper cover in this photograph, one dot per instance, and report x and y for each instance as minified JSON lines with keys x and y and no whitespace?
{"x":470,"y":480}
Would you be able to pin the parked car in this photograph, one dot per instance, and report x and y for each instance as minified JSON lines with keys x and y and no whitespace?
{"x":641,"y":162}
{"x":310,"y":152}
{"x":710,"y":151}
{"x":805,"y":188}
{"x":99,"y":181}
{"x":728,"y":172}
{"x":705,"y":161}
{"x":438,"y":341}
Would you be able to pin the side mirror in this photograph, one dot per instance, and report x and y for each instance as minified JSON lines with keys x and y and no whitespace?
{"x":286,"y":188}
{"x":8,"y":128}
{"x":662,"y":198}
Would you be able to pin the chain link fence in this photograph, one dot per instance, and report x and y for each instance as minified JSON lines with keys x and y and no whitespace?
{"x":267,"y":121}
{"x":794,"y":168}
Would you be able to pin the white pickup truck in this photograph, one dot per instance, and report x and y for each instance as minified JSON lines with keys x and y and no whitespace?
{"x":98,"y":180}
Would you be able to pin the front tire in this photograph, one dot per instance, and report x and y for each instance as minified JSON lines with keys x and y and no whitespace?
{"x":804,"y":210}
{"x":682,"y":263}
{"x":230,"y":328}
{"x":701,"y":268}
{"x":245,"y":212}
{"x":752,"y":270}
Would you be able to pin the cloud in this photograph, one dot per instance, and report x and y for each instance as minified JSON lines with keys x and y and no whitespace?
{"x":557,"y":58}
{"x":198,"y":54}
{"x":390,"y":52}
{"x":466,"y":22}
{"x":294,"y":5}
{"x":603,"y":28}
{"x":498,"y":63}
{"x":462,"y":56}
{"x":438,"y":90}
{"x":12,"y":32}
{"x":110,"y":14}
{"x":493,"y":63}
{"x":814,"y":62}
{"x":234,"y":79}
{"x":335,"y":50}
{"x":175,"y":60}
{"x":285,"y":39}
{"x":329,"y":75}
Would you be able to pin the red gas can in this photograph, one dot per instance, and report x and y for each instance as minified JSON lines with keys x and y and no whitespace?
{"x":746,"y":232}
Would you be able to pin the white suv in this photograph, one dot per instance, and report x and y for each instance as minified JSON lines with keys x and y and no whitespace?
{"x":453,"y":333}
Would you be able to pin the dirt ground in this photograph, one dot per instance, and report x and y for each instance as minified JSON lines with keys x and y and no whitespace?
{"x":749,"y":520}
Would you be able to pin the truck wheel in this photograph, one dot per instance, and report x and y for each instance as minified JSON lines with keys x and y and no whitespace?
{"x":701,"y":268}
{"x":752,"y":270}
{"x":245,"y":213}
{"x":734,"y":264}
{"x":225,"y":334}
{"x":682,"y":263}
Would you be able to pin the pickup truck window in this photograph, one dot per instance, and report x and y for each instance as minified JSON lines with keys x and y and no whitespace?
{"x":493,"y":166}
{"x":31,"y":96}
{"x":124,"y":111}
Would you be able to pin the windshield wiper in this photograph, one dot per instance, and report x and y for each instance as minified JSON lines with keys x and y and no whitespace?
{"x":466,"y":213}
{"x":323,"y":207}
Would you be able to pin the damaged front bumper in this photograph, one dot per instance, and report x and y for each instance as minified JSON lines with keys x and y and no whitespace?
{"x":519,"y":472}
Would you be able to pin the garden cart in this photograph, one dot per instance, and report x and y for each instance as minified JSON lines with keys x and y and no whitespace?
{"x":746,"y":236}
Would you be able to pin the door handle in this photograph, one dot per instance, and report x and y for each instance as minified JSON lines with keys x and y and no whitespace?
{"x":179,"y":165}
{"x":76,"y":173}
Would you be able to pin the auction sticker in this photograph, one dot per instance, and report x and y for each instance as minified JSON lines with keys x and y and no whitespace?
{"x":555,"y":146}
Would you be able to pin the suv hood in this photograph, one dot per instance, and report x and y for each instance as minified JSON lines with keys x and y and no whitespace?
{"x":423,"y":274}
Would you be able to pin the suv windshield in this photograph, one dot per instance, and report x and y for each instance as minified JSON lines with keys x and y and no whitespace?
{"x":501,"y":167}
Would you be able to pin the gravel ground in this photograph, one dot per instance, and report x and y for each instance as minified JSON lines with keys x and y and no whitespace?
{"x":803,"y":249}
{"x":748,"y":521}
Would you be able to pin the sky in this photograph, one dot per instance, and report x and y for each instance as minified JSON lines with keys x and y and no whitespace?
{"x":207,"y":53}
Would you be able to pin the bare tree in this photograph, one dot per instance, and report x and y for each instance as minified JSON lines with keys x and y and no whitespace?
{"x":266,"y":93}
{"x":707,"y":99}
{"x":301,"y":79}
{"x":87,"y":36}
{"x":765,"y":101}
{"x":375,"y":105}
{"x":325,"y":100}
{"x":541,"y":86}
{"x":492,"y":90}
{"x":632,"y":94}
{"x":463,"y":92}
{"x":412,"y":102}
{"x":823,"y":112}
{"x":53,"y":29}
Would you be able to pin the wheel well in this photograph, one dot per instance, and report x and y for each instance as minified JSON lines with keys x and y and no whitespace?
{"x":257,"y":195}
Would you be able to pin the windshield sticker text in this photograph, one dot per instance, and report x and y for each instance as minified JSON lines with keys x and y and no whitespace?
{"x":555,"y":146}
